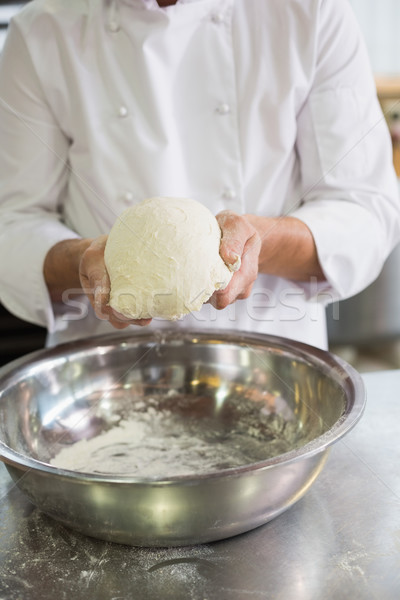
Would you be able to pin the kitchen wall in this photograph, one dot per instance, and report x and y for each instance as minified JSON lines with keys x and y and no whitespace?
{"x":380,"y":23}
{"x":367,"y":332}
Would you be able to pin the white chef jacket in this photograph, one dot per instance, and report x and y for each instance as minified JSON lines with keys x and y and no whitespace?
{"x":258,"y":106}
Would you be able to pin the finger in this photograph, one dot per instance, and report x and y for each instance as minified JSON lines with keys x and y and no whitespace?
{"x":118,"y":317}
{"x":242,"y":282}
{"x":95,"y":283}
{"x":101,"y":297}
{"x":236,"y":230}
{"x":222,"y":298}
{"x":119,"y":321}
{"x":104,"y":311}
{"x":123,"y":324}
{"x":94,"y":277}
{"x":245,"y":293}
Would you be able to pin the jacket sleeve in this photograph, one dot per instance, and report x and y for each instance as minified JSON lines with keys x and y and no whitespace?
{"x":33,"y":181}
{"x":349,"y":191}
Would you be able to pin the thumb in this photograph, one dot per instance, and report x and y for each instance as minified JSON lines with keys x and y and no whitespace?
{"x":233,"y":239}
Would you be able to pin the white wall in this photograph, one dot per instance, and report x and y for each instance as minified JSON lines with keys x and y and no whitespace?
{"x":380,"y":23}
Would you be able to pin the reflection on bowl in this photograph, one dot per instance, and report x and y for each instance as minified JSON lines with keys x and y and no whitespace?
{"x":173,"y":438}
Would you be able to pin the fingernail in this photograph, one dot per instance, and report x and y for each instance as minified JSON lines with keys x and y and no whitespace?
{"x":235,"y":265}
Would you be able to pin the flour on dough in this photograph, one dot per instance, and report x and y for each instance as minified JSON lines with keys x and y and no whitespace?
{"x":162,"y":256}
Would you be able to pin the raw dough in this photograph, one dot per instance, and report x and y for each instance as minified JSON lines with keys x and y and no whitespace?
{"x":162,"y":256}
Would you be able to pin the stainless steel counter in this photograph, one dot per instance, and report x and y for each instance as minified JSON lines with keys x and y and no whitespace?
{"x":341,"y":541}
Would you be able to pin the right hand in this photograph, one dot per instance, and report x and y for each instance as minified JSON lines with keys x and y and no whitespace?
{"x":95,"y":283}
{"x":240,"y":240}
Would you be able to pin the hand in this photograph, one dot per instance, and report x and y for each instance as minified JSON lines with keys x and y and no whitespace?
{"x":240,"y":248}
{"x":96,"y":285}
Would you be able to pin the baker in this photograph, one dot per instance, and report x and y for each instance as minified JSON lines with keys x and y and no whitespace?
{"x":263,"y":111}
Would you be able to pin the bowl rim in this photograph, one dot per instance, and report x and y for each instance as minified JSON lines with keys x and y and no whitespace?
{"x":342,"y":372}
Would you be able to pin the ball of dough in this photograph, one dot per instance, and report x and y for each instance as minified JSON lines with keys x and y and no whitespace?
{"x":163,"y":260}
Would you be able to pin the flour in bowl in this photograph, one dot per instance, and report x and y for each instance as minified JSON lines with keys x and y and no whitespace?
{"x":157,"y":442}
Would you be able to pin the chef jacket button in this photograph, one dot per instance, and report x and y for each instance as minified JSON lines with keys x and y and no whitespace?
{"x":113,"y":26}
{"x":128,"y":196}
{"x":223,"y":108}
{"x":217,"y":18}
{"x":229,"y":194}
{"x":122,"y":112}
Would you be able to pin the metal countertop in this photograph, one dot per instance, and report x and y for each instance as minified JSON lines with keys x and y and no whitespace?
{"x":341,"y":540}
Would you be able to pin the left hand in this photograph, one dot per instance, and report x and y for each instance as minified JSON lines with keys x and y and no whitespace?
{"x":240,"y":240}
{"x":95,"y":283}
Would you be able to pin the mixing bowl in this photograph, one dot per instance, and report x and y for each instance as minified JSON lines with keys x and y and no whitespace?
{"x":226,"y":431}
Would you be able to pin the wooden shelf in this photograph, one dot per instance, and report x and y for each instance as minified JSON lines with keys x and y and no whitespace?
{"x":388,"y":87}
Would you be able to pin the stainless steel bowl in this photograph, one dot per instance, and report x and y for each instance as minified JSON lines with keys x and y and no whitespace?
{"x":216,"y":381}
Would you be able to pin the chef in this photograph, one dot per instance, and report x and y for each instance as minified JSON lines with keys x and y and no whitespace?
{"x":263,"y":110}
